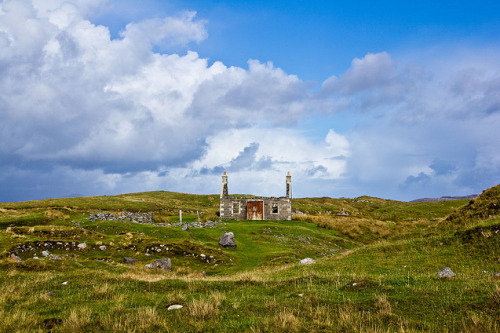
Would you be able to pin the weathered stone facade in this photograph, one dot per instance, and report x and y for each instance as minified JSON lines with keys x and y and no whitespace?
{"x":256,"y":208}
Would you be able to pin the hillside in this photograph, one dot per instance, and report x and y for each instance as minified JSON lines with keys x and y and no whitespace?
{"x":376,"y":266}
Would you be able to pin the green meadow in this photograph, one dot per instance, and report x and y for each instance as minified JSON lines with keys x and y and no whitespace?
{"x":375,"y":270}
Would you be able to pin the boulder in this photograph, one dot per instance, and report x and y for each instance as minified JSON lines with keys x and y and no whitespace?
{"x":16,"y":258}
{"x":164,"y":263}
{"x":130,"y":260}
{"x":307,"y":261}
{"x":227,"y":240}
{"x":446,"y":273}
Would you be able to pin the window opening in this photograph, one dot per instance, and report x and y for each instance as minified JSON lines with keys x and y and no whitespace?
{"x":236,"y":207}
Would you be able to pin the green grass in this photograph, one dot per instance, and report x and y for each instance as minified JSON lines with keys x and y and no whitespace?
{"x":375,"y":270}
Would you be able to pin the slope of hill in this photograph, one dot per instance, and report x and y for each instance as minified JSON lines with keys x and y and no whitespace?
{"x":486,"y":205}
{"x":376,"y":267}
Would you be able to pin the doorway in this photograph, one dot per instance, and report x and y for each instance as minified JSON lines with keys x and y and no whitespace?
{"x":255,"y":210}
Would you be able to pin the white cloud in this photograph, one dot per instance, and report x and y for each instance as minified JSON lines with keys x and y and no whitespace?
{"x":76,"y":102}
{"x":174,"y":30}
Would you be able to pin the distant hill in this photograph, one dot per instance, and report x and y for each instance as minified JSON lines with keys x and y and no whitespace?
{"x":445,"y":198}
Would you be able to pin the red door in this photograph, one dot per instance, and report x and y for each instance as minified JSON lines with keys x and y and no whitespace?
{"x":255,"y":210}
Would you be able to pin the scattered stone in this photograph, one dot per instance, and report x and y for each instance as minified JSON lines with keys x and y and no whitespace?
{"x":496,"y":275}
{"x":147,"y":218}
{"x":227,"y":240}
{"x":307,"y":261}
{"x":16,"y":258}
{"x":185,"y":228}
{"x":102,"y":247}
{"x":203,"y":256}
{"x":446,"y":273}
{"x":51,"y":293}
{"x":343,"y":213}
{"x":35,"y":257}
{"x":65,"y":283}
{"x":175,"y":307}
{"x":56,"y":258}
{"x":151,"y":265}
{"x":45,"y":253}
{"x":300,"y":295}
{"x":81,"y":246}
{"x":130,"y":260}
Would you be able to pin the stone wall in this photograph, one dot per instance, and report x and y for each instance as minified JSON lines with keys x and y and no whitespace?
{"x":147,"y":218}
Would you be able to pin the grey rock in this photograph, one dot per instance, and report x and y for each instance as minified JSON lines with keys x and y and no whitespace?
{"x":185,"y":228}
{"x":164,"y":263}
{"x":16,"y":258}
{"x":130,"y":260}
{"x":56,"y":258}
{"x":81,"y":246}
{"x":102,"y":247}
{"x":45,"y":253}
{"x":446,"y":272}
{"x":175,"y":307}
{"x":51,"y":293}
{"x":307,"y":261}
{"x":227,"y":240}
{"x":496,"y":275}
{"x":151,"y":265}
{"x":343,"y":213}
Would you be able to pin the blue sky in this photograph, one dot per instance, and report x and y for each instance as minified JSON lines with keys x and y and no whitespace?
{"x":391,"y":99}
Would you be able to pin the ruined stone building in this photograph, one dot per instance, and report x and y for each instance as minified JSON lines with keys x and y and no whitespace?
{"x":256,"y":208}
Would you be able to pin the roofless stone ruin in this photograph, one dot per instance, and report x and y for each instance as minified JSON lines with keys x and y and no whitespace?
{"x":256,"y":208}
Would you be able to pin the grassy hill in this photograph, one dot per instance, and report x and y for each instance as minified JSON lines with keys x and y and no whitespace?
{"x":376,"y":267}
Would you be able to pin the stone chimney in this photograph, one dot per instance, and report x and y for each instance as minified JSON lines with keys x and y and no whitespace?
{"x":224,"y":193}
{"x":289,"y":185}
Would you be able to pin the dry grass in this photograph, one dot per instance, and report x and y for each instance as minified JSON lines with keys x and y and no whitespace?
{"x":17,"y":320}
{"x":383,"y":305}
{"x":55,"y":215}
{"x":102,"y":291}
{"x":143,"y":275}
{"x":359,"y":229}
{"x":286,"y":320}
{"x":206,"y":308}
{"x":78,"y":320}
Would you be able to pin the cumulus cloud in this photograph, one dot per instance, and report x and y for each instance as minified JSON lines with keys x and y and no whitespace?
{"x":89,"y":101}
{"x":107,"y":115}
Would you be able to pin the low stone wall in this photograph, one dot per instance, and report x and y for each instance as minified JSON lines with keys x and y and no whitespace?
{"x":147,"y":218}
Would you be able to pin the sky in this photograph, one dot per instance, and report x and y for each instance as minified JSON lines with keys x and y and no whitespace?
{"x":392,"y":99}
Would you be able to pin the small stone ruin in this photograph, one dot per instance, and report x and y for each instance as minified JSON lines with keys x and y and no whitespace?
{"x":147,"y":218}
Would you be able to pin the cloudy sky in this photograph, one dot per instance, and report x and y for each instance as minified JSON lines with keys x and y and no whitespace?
{"x":377,"y":98}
